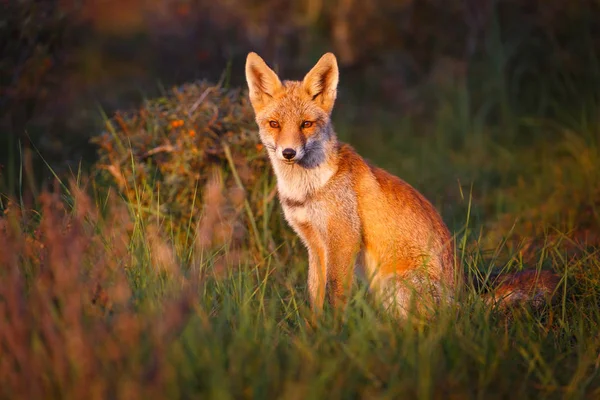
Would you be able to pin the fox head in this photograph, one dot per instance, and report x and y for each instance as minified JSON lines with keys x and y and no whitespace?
{"x":294,"y":116}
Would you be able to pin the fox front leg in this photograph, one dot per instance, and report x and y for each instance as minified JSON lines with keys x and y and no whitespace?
{"x":341,"y":274}
{"x":340,"y":267}
{"x":317,"y":266}
{"x":317,"y":280}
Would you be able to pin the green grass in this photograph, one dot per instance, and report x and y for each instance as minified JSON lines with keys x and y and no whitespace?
{"x":100,"y":299}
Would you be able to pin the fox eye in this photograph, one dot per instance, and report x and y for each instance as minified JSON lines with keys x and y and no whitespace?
{"x":274,"y":124}
{"x":307,"y":124}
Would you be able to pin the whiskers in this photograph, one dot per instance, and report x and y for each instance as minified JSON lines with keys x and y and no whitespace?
{"x":269,"y":147}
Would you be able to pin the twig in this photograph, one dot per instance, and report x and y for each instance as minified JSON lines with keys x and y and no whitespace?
{"x":199,"y":101}
{"x":165,"y":148}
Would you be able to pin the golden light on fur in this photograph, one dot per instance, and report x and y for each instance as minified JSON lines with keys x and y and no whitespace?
{"x":349,"y":214}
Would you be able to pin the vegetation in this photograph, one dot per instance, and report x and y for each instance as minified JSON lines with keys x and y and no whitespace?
{"x":167,"y":271}
{"x":103,"y":295}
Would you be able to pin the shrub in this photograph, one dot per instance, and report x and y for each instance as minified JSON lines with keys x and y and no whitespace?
{"x":193,"y":160}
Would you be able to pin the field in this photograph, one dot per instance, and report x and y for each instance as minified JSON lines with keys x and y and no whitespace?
{"x":104,"y":296}
{"x":166,"y":270}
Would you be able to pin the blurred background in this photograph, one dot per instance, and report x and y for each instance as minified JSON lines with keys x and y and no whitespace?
{"x":65,"y":63}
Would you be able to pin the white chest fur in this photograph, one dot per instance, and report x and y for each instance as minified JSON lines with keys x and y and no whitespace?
{"x":297,"y":183}
{"x":299,"y":214}
{"x":311,"y":214}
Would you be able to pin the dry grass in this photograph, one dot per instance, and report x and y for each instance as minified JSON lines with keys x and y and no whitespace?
{"x":95,"y":302}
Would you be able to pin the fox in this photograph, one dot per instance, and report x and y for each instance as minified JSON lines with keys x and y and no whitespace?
{"x":353,"y":217}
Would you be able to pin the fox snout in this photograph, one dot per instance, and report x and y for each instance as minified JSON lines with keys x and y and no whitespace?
{"x":289,"y":154}
{"x":288,"y":144}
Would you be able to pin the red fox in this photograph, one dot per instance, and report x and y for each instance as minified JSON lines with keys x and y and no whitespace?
{"x":350,"y":214}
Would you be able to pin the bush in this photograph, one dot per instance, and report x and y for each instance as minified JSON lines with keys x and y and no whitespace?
{"x":193,"y":160}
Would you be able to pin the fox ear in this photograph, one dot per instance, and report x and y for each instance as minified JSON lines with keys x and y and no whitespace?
{"x":322,"y":80}
{"x":263,"y":82}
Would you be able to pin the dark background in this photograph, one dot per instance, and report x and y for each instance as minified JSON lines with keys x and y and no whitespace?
{"x":65,"y":63}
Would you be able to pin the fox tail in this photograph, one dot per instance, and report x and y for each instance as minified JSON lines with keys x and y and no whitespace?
{"x":529,"y":287}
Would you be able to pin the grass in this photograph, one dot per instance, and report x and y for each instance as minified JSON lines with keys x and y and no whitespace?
{"x":101,"y":297}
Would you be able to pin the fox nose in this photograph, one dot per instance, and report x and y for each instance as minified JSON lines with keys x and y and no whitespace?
{"x":288,"y":154}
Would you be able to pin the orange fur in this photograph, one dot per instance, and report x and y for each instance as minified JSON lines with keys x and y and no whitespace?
{"x":346,"y":211}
